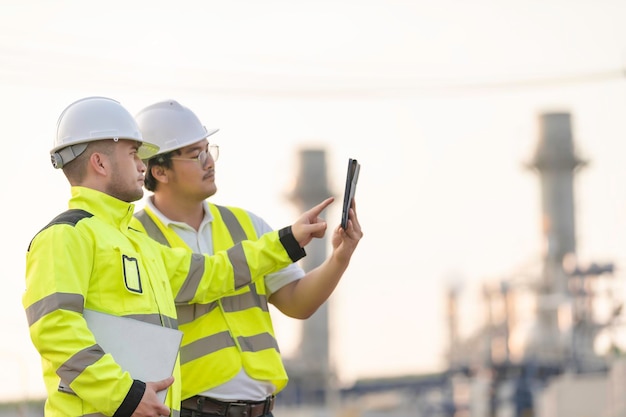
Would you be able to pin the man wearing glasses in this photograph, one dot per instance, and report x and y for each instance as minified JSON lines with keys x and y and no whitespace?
{"x":230,"y":360}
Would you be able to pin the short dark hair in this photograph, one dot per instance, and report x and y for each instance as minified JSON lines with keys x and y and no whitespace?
{"x":160,"y":160}
{"x":163,"y":160}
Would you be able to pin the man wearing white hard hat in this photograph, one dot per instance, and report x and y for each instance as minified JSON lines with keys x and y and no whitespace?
{"x":230,"y":359}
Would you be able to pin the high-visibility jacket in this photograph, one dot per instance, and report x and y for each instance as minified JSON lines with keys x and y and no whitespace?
{"x":222,"y":336}
{"x":89,"y":257}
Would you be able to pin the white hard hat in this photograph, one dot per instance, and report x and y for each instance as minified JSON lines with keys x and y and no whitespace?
{"x":171,"y":126}
{"x":90,"y":119}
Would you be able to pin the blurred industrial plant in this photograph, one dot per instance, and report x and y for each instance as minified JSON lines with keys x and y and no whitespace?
{"x":536,"y":353}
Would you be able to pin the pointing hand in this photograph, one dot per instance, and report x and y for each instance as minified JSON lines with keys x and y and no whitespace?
{"x":310,"y":225}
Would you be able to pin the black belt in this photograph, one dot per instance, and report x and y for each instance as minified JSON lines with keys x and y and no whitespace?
{"x":228,"y":408}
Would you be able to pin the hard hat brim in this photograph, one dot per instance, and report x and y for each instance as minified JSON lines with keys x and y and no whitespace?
{"x":178,"y":145}
{"x":147,"y":150}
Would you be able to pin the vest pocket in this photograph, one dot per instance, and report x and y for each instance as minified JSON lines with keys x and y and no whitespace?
{"x":121,"y":282}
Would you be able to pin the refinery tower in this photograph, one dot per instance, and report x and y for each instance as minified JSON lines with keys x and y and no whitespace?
{"x":562,"y":288}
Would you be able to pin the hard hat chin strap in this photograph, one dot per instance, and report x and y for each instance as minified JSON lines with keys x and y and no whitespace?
{"x":64,"y":156}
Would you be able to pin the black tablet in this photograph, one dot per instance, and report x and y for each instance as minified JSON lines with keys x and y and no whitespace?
{"x":351,"y":180}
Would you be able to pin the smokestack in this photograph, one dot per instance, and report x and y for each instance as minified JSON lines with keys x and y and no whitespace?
{"x":556,"y":162}
{"x":311,"y":374}
{"x":310,"y":189}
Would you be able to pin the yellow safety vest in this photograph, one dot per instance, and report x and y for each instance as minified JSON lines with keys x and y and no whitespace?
{"x":89,"y":257}
{"x":234,"y":331}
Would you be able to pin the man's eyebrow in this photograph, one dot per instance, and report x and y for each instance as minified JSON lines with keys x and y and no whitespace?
{"x":200,"y":147}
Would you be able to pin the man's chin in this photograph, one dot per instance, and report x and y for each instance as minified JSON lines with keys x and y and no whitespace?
{"x":212,"y":192}
{"x":137,"y":195}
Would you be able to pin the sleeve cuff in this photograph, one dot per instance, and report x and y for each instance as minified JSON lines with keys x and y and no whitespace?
{"x":132,"y":400}
{"x":290,"y":244}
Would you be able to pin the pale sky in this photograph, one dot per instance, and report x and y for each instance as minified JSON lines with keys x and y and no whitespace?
{"x":438,"y":100}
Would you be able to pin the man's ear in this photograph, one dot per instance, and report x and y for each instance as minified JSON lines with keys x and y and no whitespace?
{"x":99,"y":163}
{"x":159,"y":173}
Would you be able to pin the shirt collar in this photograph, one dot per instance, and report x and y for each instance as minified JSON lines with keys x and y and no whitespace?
{"x":208,"y":217}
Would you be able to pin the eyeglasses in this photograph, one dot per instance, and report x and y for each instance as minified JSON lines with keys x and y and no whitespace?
{"x":203,"y":157}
